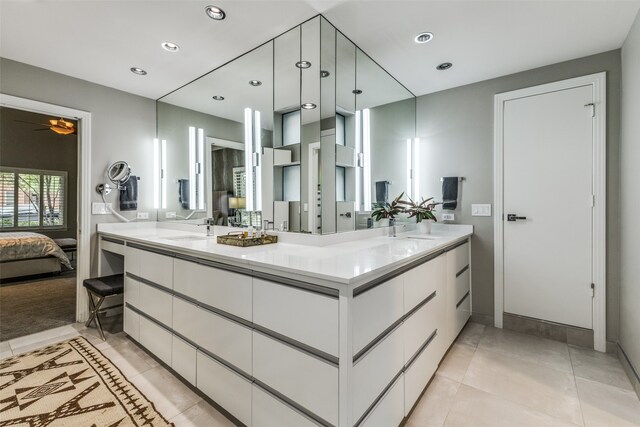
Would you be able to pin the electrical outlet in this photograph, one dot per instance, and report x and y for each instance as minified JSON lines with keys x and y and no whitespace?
{"x":142,"y":215}
{"x":169,"y":215}
{"x":481,"y":210}
{"x":98,"y":208}
{"x":448,"y":216}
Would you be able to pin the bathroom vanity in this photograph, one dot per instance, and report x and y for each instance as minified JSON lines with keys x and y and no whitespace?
{"x":332,"y":332}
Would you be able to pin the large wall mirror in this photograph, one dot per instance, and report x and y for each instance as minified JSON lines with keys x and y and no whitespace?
{"x":304,"y":133}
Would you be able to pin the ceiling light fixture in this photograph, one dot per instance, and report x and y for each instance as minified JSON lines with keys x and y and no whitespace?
{"x":308,"y":106}
{"x":170,"y":47}
{"x":255,"y":82}
{"x":303,"y":64}
{"x":138,"y":71}
{"x":424,"y":38}
{"x":444,"y":66}
{"x":356,"y":91}
{"x":215,"y":12}
{"x":324,"y":73}
{"x":218,"y":97}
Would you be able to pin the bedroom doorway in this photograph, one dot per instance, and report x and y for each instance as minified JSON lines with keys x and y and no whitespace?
{"x":43,"y":178}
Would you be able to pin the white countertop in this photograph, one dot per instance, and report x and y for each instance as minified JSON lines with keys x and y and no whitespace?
{"x":347,"y":258}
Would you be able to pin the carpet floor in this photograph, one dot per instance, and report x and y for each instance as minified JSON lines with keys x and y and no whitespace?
{"x":37,"y":305}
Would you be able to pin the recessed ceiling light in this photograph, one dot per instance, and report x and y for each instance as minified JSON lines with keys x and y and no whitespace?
{"x":215,"y":12}
{"x":138,"y":71}
{"x":218,"y":97}
{"x":308,"y":106}
{"x":356,"y":91}
{"x":303,"y":64}
{"x":170,"y":47}
{"x":255,"y":82}
{"x":324,"y":73}
{"x":423,"y":37}
{"x":444,"y":66}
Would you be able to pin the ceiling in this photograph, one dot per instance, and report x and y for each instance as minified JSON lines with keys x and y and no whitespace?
{"x":99,"y":41}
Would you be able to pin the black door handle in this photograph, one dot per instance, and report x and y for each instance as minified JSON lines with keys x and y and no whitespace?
{"x":513,"y":217}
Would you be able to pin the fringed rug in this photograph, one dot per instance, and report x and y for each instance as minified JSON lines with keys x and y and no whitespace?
{"x":70,"y":384}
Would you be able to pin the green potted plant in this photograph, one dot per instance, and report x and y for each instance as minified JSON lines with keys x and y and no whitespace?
{"x":422,"y":212}
{"x":382,"y":212}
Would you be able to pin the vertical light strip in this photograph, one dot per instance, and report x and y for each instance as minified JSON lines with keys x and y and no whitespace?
{"x":358,"y":170}
{"x":157,"y":173}
{"x":200,"y":169}
{"x":248,"y":159}
{"x":416,"y":168}
{"x":366,"y":150}
{"x":409,"y":169}
{"x":192,"y":167}
{"x":258,"y":138}
{"x":163,"y":174}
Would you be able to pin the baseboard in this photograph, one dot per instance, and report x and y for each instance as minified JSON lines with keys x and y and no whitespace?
{"x":483,"y":319}
{"x":632,"y":373}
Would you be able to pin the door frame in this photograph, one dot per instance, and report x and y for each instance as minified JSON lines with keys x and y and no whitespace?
{"x":599,"y":274}
{"x":84,"y":187}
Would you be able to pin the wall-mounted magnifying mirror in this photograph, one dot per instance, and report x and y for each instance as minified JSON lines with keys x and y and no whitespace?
{"x":118,"y":173}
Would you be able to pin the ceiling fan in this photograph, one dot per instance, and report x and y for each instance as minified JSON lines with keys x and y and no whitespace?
{"x":59,"y":126}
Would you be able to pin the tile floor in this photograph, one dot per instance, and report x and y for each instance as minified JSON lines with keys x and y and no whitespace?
{"x":490,"y":377}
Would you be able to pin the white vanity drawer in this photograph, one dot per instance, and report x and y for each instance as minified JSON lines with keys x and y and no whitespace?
{"x":157,"y":268}
{"x":149,"y":265}
{"x":183,"y":359}
{"x":463,"y":312}
{"x":304,"y":316}
{"x":270,"y":412}
{"x":389,"y":412}
{"x":131,"y":323}
{"x":132,"y":291}
{"x":303,"y":378}
{"x":376,"y":369}
{"x":461,"y":256}
{"x":421,"y":325}
{"x":463,"y":283}
{"x":132,"y":260}
{"x":224,"y":290}
{"x":422,"y":281}
{"x":225,"y":387}
{"x":218,"y":335}
{"x":156,"y":339}
{"x":375,"y":310}
{"x":420,"y":372}
{"x":156,"y":303}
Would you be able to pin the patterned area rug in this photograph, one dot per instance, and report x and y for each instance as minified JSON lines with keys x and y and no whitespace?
{"x":70,"y":384}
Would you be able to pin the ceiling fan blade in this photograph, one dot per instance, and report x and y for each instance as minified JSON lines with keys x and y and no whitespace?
{"x":33,"y":123}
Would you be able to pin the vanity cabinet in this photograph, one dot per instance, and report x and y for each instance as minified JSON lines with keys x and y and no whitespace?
{"x":277,"y":351}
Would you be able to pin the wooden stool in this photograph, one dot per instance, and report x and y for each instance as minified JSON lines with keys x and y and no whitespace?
{"x":102,"y":288}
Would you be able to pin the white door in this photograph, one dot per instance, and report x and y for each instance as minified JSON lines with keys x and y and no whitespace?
{"x":548,"y":187}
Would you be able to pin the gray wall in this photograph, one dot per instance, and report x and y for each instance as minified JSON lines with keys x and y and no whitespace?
{"x":23,"y":146}
{"x":456,"y":126}
{"x":629,"y":178}
{"x":122,"y":127}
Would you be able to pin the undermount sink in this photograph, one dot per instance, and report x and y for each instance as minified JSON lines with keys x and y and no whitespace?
{"x":423,"y":237}
{"x":186,"y":238}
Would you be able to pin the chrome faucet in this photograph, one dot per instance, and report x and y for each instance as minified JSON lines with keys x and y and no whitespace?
{"x":392,"y":227}
{"x":208,"y":222}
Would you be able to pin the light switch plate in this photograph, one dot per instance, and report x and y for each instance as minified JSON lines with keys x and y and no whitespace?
{"x":481,"y":210}
{"x":448,"y":216}
{"x":98,"y":208}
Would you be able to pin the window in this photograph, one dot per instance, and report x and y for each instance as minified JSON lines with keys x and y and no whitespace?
{"x":32,"y":199}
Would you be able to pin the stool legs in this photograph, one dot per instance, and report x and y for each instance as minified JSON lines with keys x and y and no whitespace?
{"x":94,"y":308}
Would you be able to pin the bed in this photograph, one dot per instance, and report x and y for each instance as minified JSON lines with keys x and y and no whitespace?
{"x":27,"y":254}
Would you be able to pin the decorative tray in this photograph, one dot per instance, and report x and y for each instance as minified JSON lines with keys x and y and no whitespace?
{"x":244,"y":242}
